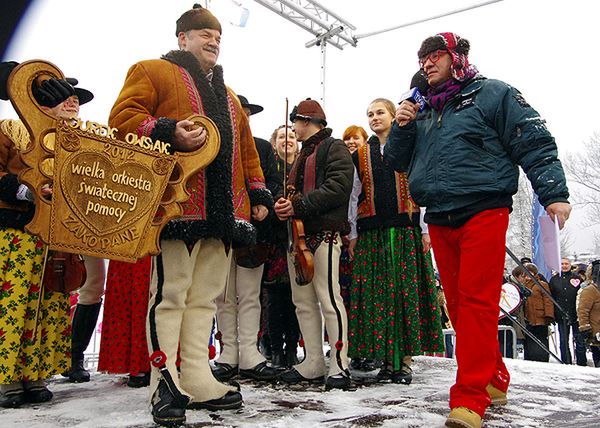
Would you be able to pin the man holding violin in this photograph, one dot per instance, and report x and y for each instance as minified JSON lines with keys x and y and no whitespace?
{"x":319,"y":188}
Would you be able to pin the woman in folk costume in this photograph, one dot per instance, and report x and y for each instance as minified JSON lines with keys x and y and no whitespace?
{"x":393,"y":307}
{"x":123,"y":345}
{"x":35,"y":337}
{"x":283,"y":324}
{"x":354,"y":137}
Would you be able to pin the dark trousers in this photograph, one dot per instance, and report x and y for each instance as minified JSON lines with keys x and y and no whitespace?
{"x":505,"y":337}
{"x":283,"y":324}
{"x":564,"y":331}
{"x":533,"y":351}
{"x":595,"y":355}
{"x":449,"y":346}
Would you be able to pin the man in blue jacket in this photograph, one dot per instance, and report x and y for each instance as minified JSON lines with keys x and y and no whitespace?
{"x":462,"y":155}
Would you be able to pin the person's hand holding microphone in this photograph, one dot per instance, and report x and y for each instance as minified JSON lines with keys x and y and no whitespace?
{"x":406,"y":112}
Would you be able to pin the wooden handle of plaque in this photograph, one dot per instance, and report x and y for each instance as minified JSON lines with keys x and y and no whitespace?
{"x":110,"y":198}
{"x":38,"y":123}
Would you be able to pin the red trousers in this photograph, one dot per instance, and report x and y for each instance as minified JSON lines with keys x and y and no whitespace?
{"x":470,"y":260}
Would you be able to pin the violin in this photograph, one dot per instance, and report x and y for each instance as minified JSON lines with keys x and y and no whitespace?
{"x":303,"y":258}
{"x":64,"y":272}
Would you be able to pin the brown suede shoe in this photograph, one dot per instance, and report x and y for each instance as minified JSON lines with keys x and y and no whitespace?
{"x":462,"y":417}
{"x":498,"y":397}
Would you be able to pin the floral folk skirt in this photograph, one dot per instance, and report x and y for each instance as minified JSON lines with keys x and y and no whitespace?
{"x":393,"y":305}
{"x":35,"y":331}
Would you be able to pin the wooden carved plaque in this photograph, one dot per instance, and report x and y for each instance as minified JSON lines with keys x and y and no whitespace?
{"x":110,"y":198}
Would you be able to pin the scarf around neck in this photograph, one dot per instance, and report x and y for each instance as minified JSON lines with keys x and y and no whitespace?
{"x":308,"y":147}
{"x":438,"y":96}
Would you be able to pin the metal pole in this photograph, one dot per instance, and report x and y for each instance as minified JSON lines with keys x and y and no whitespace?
{"x":528,"y":333}
{"x":396,"y":27}
{"x":323,"y":70}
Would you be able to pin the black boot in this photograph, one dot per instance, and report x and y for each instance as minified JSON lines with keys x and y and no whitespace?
{"x":166,"y":409}
{"x":340,"y":381}
{"x":84,"y":323}
{"x":13,"y":398}
{"x":278,"y":360}
{"x":260,"y":372}
{"x":37,"y":394}
{"x":404,"y":375}
{"x":291,"y":356}
{"x":264,"y":346}
{"x":139,"y":381}
{"x":224,"y":372}
{"x":230,"y":401}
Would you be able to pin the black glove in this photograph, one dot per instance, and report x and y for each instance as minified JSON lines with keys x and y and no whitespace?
{"x":586,"y":335}
{"x":52,"y":92}
{"x":5,"y":70}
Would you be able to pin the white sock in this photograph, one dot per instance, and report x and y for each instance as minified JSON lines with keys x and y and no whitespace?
{"x":36,"y":384}
{"x":11,"y":387}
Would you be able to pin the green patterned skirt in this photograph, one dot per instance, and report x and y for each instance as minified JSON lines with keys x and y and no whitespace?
{"x":393,"y":305}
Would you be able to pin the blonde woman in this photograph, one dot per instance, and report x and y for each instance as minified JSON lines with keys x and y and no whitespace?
{"x":393,"y":308}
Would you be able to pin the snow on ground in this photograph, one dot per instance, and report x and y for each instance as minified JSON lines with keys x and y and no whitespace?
{"x":541,"y":395}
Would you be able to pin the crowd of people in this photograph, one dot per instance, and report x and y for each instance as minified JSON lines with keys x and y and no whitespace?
{"x":567,"y":303}
{"x":306,"y":238}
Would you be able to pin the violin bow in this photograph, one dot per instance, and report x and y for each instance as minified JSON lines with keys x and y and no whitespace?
{"x":285,"y":189}
{"x":285,"y":149}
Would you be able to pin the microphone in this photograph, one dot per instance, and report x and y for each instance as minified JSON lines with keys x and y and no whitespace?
{"x":419,"y":85}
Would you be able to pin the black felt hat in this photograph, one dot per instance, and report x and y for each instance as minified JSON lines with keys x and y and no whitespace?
{"x":84,"y":95}
{"x":254,"y":108}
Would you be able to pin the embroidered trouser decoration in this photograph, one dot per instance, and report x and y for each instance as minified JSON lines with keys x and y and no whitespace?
{"x":321,"y":299}
{"x":158,"y":358}
{"x":184,"y":287}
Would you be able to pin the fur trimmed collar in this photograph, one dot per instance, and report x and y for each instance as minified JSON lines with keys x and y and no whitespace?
{"x":220,"y":216}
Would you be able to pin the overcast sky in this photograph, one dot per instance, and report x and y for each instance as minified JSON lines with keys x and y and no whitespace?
{"x":545,"y":48}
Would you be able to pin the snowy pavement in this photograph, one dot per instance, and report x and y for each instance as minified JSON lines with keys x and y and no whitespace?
{"x":541,"y":395}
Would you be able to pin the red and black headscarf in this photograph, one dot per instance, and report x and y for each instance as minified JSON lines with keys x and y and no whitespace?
{"x":457,"y":47}
{"x":461,"y":70}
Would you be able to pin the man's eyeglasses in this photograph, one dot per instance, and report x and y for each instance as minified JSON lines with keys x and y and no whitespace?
{"x":433,"y":57}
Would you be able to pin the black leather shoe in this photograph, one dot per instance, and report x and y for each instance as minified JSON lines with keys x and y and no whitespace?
{"x":356,"y":363}
{"x":139,"y":381}
{"x":224,"y":372}
{"x":78,"y":373}
{"x":339,"y":382}
{"x":404,"y":375}
{"x":231,"y":400}
{"x":384,"y":375}
{"x":12,"y":399}
{"x":38,"y":394}
{"x":278,"y":360}
{"x":260,"y":372}
{"x":292,"y":376}
{"x":166,"y":409}
{"x":369,"y":365}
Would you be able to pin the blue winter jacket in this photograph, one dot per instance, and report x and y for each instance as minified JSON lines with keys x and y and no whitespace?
{"x":468,"y":155}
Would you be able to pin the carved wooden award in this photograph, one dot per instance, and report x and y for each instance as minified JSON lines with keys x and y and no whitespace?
{"x":110,"y":198}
